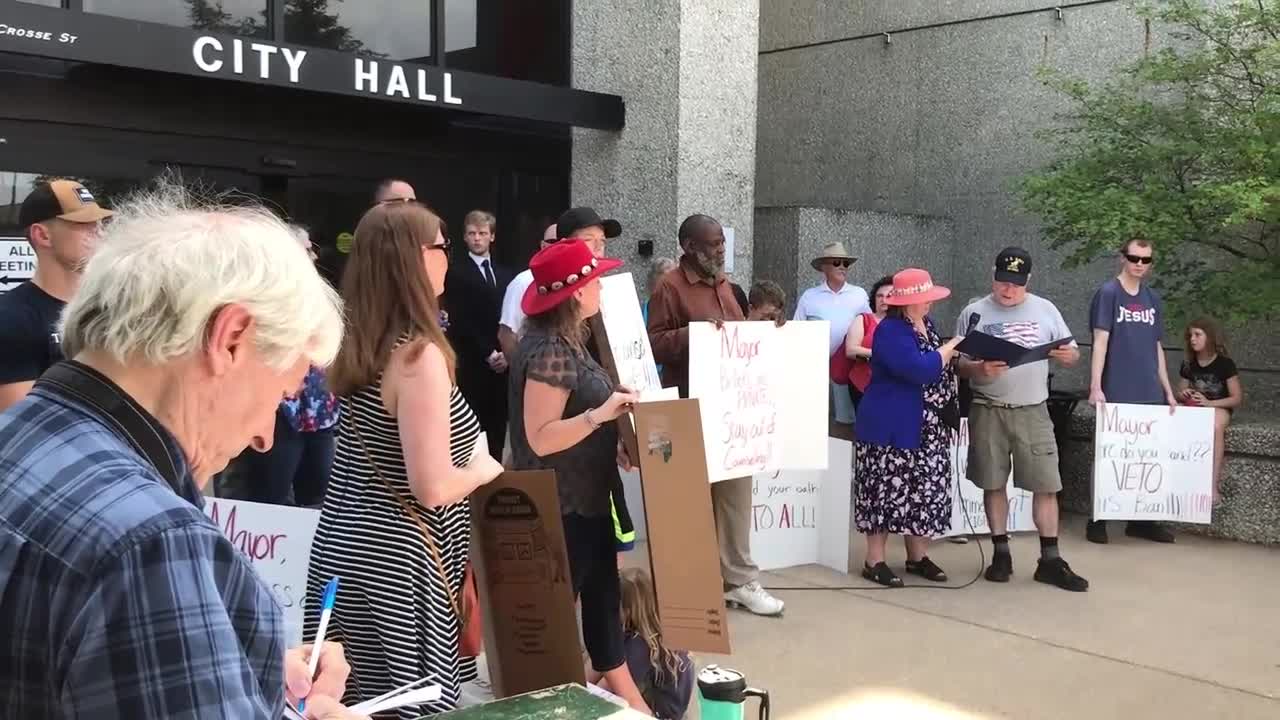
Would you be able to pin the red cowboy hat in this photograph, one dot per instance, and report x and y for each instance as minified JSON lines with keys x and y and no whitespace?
{"x":559,"y":270}
{"x":913,"y":286}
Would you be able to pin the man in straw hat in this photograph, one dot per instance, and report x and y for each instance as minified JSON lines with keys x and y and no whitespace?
{"x":838,"y":302}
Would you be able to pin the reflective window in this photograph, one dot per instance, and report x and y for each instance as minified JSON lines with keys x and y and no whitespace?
{"x":50,"y":3}
{"x":522,"y":39}
{"x":393,"y":29}
{"x":236,"y":17}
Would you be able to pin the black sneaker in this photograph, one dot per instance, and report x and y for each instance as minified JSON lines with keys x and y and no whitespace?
{"x":1096,"y":532}
{"x":1056,"y":571}
{"x":1155,"y":532}
{"x":1001,"y":568}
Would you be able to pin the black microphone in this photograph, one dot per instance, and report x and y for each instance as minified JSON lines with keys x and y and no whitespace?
{"x":973,"y":322}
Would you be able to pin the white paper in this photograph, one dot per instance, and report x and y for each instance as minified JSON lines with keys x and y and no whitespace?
{"x":729,"y":238}
{"x":1150,"y":465}
{"x":628,"y":335}
{"x":19,"y":262}
{"x":968,"y":514}
{"x":801,"y":517}
{"x":277,"y":540}
{"x":763,"y":396}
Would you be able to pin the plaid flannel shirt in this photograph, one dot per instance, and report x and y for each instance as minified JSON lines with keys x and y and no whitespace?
{"x":118,"y":597}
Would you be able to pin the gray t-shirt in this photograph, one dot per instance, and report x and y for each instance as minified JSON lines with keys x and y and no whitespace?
{"x":1135,"y":323}
{"x":1034,"y":321}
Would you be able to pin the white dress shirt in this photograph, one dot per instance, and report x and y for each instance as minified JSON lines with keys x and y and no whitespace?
{"x":837,"y":308}
{"x":512,"y":315}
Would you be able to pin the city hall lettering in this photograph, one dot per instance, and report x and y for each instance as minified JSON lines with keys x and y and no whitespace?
{"x":374,"y":77}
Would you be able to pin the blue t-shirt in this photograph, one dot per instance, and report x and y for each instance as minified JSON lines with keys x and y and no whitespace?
{"x":668,"y":697}
{"x":1131,"y":373}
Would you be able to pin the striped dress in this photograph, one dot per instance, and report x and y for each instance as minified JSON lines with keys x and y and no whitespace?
{"x":393,"y":616}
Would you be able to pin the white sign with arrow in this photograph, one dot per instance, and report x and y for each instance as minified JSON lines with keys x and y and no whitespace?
{"x":17,"y":262}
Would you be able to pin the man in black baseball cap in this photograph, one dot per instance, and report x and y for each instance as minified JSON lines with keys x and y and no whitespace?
{"x":1013,"y":265}
{"x":1010,"y":432}
{"x":61,"y":220}
{"x":584,"y":223}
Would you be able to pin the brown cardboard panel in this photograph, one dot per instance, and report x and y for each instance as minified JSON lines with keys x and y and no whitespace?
{"x":600,"y":338}
{"x":683,"y":554}
{"x":526,"y":592}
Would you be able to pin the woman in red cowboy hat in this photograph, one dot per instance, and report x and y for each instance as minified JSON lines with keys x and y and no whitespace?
{"x":562,"y":408}
{"x":905,"y":420}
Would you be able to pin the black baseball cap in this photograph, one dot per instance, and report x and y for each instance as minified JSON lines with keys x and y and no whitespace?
{"x":1013,"y":265}
{"x":575,"y":219}
{"x":63,"y":199}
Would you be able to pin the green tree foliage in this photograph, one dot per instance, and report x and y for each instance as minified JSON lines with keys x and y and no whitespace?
{"x":306,"y":22}
{"x":1183,"y":148}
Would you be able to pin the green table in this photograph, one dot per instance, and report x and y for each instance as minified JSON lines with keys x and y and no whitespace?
{"x":564,"y":702}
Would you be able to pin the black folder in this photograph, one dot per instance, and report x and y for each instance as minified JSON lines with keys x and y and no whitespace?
{"x":981,"y":346}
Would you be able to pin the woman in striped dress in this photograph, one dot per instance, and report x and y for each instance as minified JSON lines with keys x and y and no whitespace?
{"x":409,"y":452}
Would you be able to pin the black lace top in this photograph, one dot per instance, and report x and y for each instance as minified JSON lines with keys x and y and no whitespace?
{"x":585,"y":472}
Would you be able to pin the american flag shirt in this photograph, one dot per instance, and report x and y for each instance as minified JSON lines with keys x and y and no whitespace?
{"x":1034,"y":321}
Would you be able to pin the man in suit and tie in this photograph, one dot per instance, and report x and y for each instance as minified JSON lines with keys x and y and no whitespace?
{"x":473,"y":291}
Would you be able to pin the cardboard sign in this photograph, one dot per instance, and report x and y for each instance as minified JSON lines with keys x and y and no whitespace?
{"x":801,"y":517}
{"x":17,"y":261}
{"x":764,"y":395}
{"x":684,"y":554}
{"x":968,"y":513}
{"x":526,"y":591}
{"x":1150,"y":465}
{"x":277,"y":540}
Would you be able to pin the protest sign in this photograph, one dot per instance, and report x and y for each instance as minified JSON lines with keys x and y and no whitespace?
{"x":968,"y":514}
{"x":1150,"y":465}
{"x":526,"y":592}
{"x":628,"y":337}
{"x":763,"y":393}
{"x":17,"y":261}
{"x":277,"y":540}
{"x":684,"y":556}
{"x":801,"y":517}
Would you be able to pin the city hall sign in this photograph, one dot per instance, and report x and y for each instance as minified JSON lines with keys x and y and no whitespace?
{"x":274,"y":62}
{"x":75,"y":36}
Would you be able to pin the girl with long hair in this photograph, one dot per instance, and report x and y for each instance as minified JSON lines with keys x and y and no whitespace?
{"x":1210,"y":379}
{"x":664,"y":676}
{"x":395,"y":525}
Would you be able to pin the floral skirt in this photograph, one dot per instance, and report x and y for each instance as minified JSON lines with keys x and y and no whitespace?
{"x":906,"y":492}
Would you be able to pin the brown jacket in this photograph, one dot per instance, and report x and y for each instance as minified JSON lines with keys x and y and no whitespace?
{"x":681,"y":297}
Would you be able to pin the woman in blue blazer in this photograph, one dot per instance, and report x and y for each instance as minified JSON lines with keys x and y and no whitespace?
{"x":905,"y":421}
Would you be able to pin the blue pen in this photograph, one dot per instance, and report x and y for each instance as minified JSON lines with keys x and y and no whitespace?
{"x":326,"y":612}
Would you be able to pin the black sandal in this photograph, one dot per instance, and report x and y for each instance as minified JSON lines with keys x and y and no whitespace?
{"x":881,"y":574}
{"x":925,"y":568}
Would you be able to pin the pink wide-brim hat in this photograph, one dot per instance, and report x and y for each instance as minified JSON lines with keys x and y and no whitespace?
{"x":914,"y":286}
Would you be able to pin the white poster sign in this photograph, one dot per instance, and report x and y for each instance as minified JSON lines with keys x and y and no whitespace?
{"x":17,"y":262}
{"x":968,"y":514}
{"x":763,"y":393}
{"x":277,"y":540}
{"x":1151,"y":465}
{"x":801,"y":517}
{"x":628,"y":335}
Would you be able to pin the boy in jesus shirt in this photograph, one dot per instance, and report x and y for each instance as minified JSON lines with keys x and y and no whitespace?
{"x":698,"y":291}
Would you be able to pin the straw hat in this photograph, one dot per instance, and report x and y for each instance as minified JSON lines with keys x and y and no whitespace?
{"x":833,"y":251}
{"x":559,"y":270}
{"x":913,"y":286}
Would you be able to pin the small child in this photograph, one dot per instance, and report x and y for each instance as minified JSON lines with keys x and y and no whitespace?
{"x":665,"y":677}
{"x":1210,"y":379}
{"x":766,"y":301}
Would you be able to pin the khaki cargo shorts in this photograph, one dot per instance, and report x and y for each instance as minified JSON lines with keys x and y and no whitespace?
{"x":1017,"y":439}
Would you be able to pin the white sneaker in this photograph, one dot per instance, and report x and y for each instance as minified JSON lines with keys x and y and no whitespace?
{"x":754,"y":598}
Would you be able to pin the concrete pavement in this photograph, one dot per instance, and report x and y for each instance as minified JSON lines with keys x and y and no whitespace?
{"x":1190,"y":630}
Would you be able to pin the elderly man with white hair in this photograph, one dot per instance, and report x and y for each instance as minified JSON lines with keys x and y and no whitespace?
{"x":119,"y":597}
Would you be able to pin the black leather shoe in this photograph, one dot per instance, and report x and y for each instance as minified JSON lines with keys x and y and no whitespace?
{"x":1001,"y":568}
{"x":1096,"y":532}
{"x":1147,"y":530}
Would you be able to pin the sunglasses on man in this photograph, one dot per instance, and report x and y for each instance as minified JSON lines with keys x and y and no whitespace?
{"x":1139,"y":259}
{"x":841,"y":263}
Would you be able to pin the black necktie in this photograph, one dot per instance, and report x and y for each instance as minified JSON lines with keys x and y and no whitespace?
{"x":488,"y":274}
